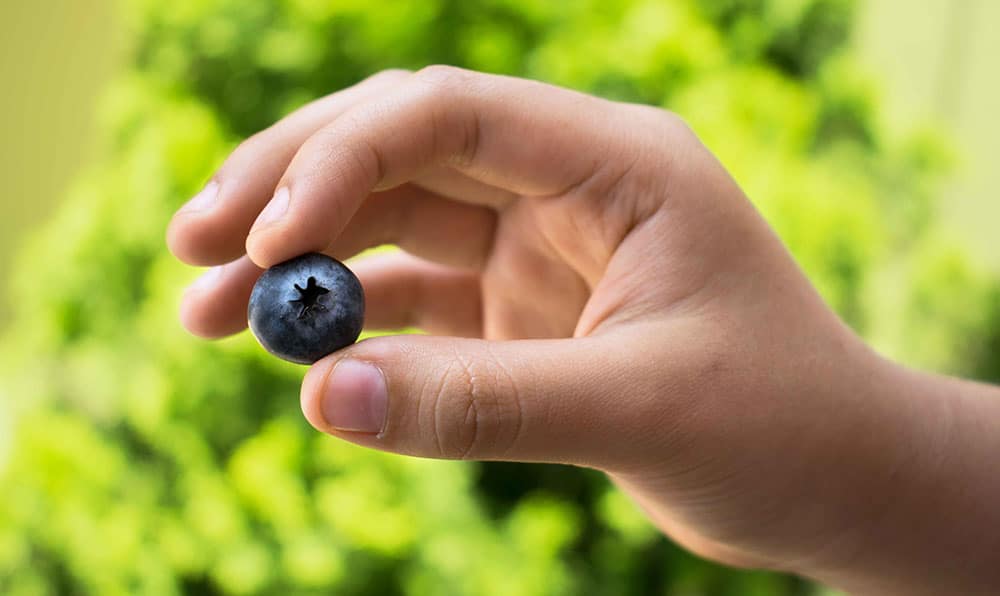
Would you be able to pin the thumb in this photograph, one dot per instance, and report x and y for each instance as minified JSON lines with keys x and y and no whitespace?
{"x":563,"y":401}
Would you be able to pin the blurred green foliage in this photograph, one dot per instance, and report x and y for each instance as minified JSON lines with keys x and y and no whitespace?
{"x":140,"y":460}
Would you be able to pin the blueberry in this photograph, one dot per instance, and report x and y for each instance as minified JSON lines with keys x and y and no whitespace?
{"x":308,"y":307}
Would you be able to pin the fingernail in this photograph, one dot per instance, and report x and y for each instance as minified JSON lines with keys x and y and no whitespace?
{"x":204,"y":200}
{"x":275,"y":209}
{"x":207,"y":279}
{"x":355,"y":397}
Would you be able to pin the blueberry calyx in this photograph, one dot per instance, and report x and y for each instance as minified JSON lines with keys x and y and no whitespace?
{"x":308,"y":299}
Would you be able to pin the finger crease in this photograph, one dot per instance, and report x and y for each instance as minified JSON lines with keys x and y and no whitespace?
{"x":436,"y":411}
{"x":515,"y":397}
{"x":376,"y":161}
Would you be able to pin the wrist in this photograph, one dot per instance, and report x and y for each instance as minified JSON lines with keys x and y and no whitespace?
{"x":927,"y":522}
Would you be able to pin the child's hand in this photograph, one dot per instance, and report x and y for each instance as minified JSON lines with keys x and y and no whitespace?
{"x":625,"y":308}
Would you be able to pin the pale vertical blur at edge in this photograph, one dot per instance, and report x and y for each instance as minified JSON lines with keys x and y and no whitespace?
{"x":936,"y":61}
{"x":6,"y":430}
{"x":55,"y":58}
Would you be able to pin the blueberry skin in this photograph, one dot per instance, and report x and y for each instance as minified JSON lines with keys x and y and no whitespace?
{"x":306,"y":308}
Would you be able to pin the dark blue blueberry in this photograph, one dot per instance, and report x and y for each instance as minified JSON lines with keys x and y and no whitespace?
{"x":308,"y":307}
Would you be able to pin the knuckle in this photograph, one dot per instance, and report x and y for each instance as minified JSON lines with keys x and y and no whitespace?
{"x":389,"y":75}
{"x":476,"y":411}
{"x":442,"y":77}
{"x":664,"y":122}
{"x":445,"y":92}
{"x":672,"y":119}
{"x":443,"y":85}
{"x":675,"y":126}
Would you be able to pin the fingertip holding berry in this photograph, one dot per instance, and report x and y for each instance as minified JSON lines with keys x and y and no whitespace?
{"x":306,"y":308}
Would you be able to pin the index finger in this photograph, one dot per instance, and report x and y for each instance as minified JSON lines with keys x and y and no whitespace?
{"x":523,"y":136}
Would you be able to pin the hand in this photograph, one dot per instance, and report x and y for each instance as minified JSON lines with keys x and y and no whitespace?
{"x":600,"y":292}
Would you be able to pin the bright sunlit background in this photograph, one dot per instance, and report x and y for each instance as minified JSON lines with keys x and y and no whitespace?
{"x":134,"y":459}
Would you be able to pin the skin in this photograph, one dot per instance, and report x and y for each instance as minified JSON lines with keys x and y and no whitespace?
{"x":600,"y":292}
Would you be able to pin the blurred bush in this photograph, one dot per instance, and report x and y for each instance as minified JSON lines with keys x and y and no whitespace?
{"x":143,"y":461}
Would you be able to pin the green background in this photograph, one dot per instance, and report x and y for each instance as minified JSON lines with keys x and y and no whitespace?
{"x":135,"y":459}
